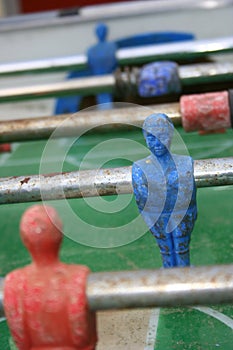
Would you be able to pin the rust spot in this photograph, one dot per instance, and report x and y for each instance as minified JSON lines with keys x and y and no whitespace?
{"x":51,"y":174}
{"x":54,"y":174}
{"x":107,"y":171}
{"x":25,"y":180}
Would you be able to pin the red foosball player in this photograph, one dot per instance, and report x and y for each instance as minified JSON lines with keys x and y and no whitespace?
{"x":5,"y":147}
{"x":45,"y":302}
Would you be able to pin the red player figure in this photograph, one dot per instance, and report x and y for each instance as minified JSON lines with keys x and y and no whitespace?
{"x":5,"y":147}
{"x":45,"y":302}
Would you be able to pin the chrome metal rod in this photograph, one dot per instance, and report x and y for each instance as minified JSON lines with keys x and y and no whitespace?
{"x":192,"y":74}
{"x":161,"y":288}
{"x":75,"y":124}
{"x":173,"y":51}
{"x":158,"y":288}
{"x":100,"y":182}
{"x":83,"y":86}
{"x":157,"y":7}
{"x":189,"y":75}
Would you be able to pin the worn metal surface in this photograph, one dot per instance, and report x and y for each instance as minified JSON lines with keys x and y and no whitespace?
{"x":172,"y":51}
{"x":76,"y":184}
{"x":213,"y":172}
{"x":158,"y":288}
{"x":166,"y":287}
{"x":84,"y":86}
{"x":189,"y":75}
{"x":209,"y":72}
{"x":101,"y":182}
{"x":76,"y":124}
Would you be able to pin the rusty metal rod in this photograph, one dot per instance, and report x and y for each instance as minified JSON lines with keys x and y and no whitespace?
{"x":75,"y":124}
{"x":158,"y":288}
{"x":137,"y":55}
{"x":100,"y":182}
{"x":189,"y":75}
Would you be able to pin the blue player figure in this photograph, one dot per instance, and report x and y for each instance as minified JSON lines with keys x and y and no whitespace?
{"x":102,"y":59}
{"x":165,"y":192}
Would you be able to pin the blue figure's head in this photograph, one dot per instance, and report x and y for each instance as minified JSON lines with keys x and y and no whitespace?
{"x":101,"y":31}
{"x":158,"y":132}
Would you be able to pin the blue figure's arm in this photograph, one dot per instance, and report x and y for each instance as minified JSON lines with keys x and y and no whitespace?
{"x":140,"y":186}
{"x":193,"y":203}
{"x":154,"y":38}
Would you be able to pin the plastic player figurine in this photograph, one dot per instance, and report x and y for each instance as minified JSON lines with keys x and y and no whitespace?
{"x":159,"y":78}
{"x":45,"y":302}
{"x":102,"y":59}
{"x":165,"y":192}
{"x":5,"y":147}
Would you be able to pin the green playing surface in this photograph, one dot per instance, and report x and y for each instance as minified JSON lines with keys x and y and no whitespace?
{"x":212,"y":243}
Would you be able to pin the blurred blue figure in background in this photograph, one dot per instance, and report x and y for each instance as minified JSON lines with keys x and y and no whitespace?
{"x":102,"y":59}
{"x":159,"y":78}
{"x":71,"y":104}
{"x":165,"y":192}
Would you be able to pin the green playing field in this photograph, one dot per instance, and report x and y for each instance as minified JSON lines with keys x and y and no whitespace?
{"x":212,"y":242}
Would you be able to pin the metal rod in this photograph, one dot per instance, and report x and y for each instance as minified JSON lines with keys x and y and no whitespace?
{"x":161,"y":288}
{"x":157,"y":7}
{"x":206,"y":73}
{"x":84,"y":86}
{"x":171,"y":51}
{"x":189,"y":75}
{"x":175,"y":51}
{"x":100,"y":182}
{"x":158,"y":288}
{"x":76,"y":124}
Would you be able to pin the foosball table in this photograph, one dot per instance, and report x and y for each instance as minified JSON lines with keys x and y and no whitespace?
{"x":81,"y":165}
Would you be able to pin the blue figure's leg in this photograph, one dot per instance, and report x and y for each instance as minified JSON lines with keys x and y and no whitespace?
{"x":104,"y":100}
{"x":69,"y":104}
{"x":181,"y":247}
{"x":166,"y":247}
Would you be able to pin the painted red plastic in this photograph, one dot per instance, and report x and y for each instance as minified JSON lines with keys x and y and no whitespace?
{"x":45,"y":302}
{"x":209,"y":111}
{"x":5,"y":147}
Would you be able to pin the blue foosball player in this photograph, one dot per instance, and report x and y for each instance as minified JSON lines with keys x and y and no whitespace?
{"x":165,"y":192}
{"x":102,"y":60}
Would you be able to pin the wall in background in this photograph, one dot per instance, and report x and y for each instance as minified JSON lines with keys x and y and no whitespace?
{"x":28,"y":6}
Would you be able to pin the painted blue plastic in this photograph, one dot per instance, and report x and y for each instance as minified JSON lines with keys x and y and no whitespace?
{"x":153,"y":38}
{"x":102,"y":60}
{"x":165,"y":192}
{"x":102,"y":56}
{"x":71,"y":104}
{"x":159,"y":78}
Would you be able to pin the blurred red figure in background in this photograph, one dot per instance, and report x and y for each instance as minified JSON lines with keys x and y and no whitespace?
{"x":45,"y":302}
{"x":5,"y":147}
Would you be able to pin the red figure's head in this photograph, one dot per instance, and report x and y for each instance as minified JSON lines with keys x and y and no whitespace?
{"x":41,"y":233}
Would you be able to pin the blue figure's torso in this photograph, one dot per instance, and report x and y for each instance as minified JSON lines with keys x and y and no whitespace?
{"x":102,"y":58}
{"x":166,"y":198}
{"x":164,"y":188}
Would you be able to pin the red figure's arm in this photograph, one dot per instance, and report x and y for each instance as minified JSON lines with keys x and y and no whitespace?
{"x":14,"y":308}
{"x":83,"y":321}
